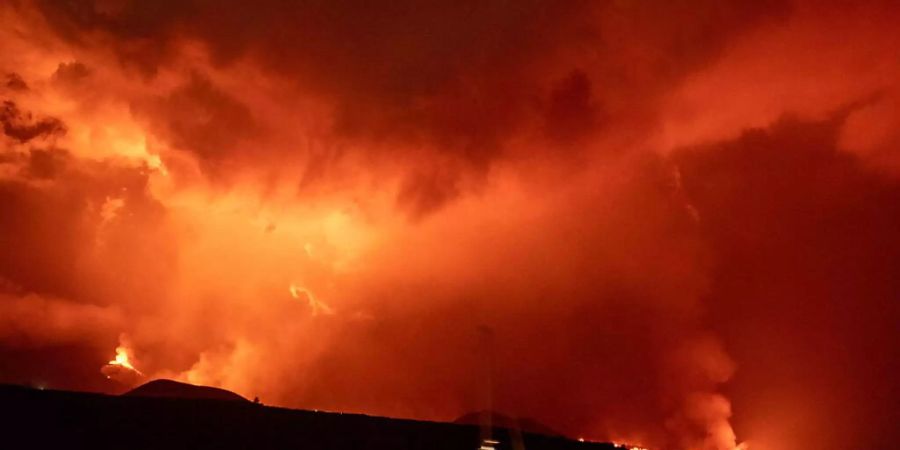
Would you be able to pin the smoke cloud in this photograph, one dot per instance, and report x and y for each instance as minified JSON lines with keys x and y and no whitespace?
{"x":676,"y":219}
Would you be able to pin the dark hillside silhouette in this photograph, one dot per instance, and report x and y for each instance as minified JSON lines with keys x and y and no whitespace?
{"x":45,"y":419}
{"x":525,"y":424}
{"x":175,"y":389}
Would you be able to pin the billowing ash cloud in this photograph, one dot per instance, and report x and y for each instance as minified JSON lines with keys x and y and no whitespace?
{"x":811,"y":275}
{"x":675,"y":220}
{"x":458,"y":80}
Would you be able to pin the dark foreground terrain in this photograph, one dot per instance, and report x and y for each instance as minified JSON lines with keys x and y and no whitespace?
{"x":44,"y":419}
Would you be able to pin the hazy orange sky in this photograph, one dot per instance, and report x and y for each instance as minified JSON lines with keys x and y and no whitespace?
{"x":678,"y":218}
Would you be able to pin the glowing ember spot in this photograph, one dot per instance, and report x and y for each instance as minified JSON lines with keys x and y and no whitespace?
{"x":110,"y":208}
{"x":742,"y":446}
{"x":489,"y":444}
{"x":628,"y":447}
{"x":155,"y":163}
{"x":317,"y":306}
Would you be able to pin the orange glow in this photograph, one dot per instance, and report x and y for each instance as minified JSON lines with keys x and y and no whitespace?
{"x":316,"y":305}
{"x":121,"y":370}
{"x":123,"y":360}
{"x":678,"y":219}
{"x":628,"y":447}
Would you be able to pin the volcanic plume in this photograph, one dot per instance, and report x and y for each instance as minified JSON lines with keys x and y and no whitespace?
{"x":676,"y":218}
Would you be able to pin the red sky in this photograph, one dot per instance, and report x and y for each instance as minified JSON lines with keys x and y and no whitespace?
{"x":679,"y":218}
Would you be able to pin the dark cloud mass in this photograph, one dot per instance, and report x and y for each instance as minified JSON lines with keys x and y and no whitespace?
{"x":463,"y":76}
{"x":806,"y":264}
{"x":23,"y":127}
{"x":199,"y":117}
{"x":676,"y":219}
{"x":15,"y":82}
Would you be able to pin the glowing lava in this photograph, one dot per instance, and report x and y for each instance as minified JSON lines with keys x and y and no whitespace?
{"x":122,"y":359}
{"x":120,"y":368}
